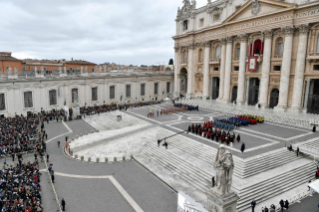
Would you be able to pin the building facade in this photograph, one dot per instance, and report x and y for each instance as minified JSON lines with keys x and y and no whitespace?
{"x":23,"y":92}
{"x":257,"y":52}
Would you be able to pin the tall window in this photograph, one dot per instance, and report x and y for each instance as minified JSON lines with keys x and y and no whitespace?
{"x":75,"y":96}
{"x":128,"y":91}
{"x":142,"y":89}
{"x":318,"y":44}
{"x":185,"y":25}
{"x":238,"y":53}
{"x":112,"y":92}
{"x":28,"y":102}
{"x":52,"y":97}
{"x":168,"y":87}
{"x":155,"y":88}
{"x":94,"y":94}
{"x":185,"y":56}
{"x":279,"y":50}
{"x":217,"y":53}
{"x":2,"y":102}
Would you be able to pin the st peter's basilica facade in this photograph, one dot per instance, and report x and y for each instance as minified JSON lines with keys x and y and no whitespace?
{"x":256,"y":52}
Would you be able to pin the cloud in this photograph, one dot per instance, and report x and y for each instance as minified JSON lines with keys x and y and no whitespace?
{"x":123,"y":31}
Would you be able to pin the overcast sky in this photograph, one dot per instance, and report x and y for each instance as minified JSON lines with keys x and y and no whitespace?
{"x":122,"y":31}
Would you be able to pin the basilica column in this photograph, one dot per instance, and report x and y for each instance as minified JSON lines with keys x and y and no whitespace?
{"x":228,"y":61}
{"x":285,"y":68}
{"x":190,"y":75}
{"x":176,"y":71}
{"x":222,"y":69}
{"x":206,"y":70}
{"x":300,"y":68}
{"x":242,"y":68}
{"x":305,"y":107}
{"x":265,"y":69}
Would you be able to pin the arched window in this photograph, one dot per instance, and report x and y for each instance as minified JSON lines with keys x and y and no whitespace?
{"x":185,"y":56}
{"x":217,"y":53}
{"x":280,"y":46}
{"x":318,"y":44}
{"x":185,"y":25}
{"x":200,"y":55}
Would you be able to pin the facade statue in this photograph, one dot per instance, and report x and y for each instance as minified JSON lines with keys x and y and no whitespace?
{"x":35,"y":69}
{"x":16,"y":70}
{"x":82,"y":70}
{"x":86,"y":69}
{"x":9,"y":70}
{"x":42,"y":70}
{"x":64,"y":70}
{"x":60,"y":70}
{"x":224,"y":166}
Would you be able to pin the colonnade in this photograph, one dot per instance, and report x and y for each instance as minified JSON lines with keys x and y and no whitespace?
{"x":226,"y":67}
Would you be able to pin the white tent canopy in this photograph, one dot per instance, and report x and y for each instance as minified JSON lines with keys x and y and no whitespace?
{"x":314,"y":185}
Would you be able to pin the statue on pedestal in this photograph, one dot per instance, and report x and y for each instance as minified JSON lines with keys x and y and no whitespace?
{"x":64,"y":70}
{"x":42,"y":70}
{"x":86,"y":69}
{"x":60,"y":70}
{"x":224,"y":166}
{"x":35,"y":69}
{"x":16,"y":70}
{"x":82,"y":70}
{"x":9,"y":70}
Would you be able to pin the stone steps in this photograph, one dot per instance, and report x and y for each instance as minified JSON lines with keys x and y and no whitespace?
{"x":275,"y":186}
{"x":242,"y":169}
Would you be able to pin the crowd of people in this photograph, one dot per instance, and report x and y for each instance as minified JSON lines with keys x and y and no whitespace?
{"x":188,"y":107}
{"x":20,"y":188}
{"x":209,"y":131}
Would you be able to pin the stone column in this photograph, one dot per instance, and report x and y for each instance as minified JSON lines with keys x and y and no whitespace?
{"x":300,"y":68}
{"x":242,"y":68}
{"x":305,"y":104}
{"x":190,"y":75}
{"x":228,"y":60}
{"x":206,"y":70}
{"x":265,"y":70}
{"x":176,"y":71}
{"x":222,"y":69}
{"x":285,"y":69}
{"x":247,"y":91}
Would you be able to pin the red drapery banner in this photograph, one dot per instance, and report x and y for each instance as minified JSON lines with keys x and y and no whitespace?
{"x":252,"y":63}
{"x":257,"y":47}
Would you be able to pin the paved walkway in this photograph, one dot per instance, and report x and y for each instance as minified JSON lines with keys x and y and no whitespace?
{"x":115,"y":187}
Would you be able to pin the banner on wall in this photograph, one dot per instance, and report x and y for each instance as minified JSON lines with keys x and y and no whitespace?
{"x":252,"y":64}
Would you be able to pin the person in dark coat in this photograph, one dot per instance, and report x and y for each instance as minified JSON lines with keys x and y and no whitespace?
{"x":46,"y":136}
{"x":63,"y":204}
{"x":281,"y":203}
{"x":314,"y":128}
{"x":253,"y":205}
{"x":213,"y":181}
{"x":48,"y":157}
{"x":52,"y":177}
{"x":158,"y":142}
{"x":297,"y":151}
{"x":238,"y":138}
{"x":242,"y":148}
{"x":287,"y":205}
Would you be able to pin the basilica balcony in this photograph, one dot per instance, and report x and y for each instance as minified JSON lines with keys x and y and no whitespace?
{"x":313,"y":56}
{"x":276,"y":58}
{"x":214,"y":61}
{"x":259,"y":58}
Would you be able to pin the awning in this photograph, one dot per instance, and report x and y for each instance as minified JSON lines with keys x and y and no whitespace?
{"x":314,"y":185}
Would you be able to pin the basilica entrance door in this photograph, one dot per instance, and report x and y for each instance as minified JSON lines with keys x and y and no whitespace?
{"x":313,"y":98}
{"x":234,"y":94}
{"x":253,"y":91}
{"x":274,"y":96}
{"x":215,"y":91}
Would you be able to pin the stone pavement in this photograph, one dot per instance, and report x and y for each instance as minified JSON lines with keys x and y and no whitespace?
{"x":309,"y":204}
{"x":96,"y":194}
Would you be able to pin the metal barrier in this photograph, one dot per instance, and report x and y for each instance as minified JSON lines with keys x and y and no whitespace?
{"x":53,"y":188}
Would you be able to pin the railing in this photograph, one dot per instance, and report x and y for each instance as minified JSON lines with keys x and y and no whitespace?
{"x":278,"y":56}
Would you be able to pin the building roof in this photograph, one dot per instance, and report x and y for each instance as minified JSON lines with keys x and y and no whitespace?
{"x":79,"y":62}
{"x":8,"y":58}
{"x":35,"y":61}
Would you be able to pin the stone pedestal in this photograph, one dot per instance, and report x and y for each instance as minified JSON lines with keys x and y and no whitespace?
{"x":39,"y":75}
{"x":63,"y":75}
{"x":85,"y":74}
{"x":14,"y":76}
{"x":221,"y":203}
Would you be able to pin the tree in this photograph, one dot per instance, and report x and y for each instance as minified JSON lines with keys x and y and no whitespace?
{"x":171,"y":62}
